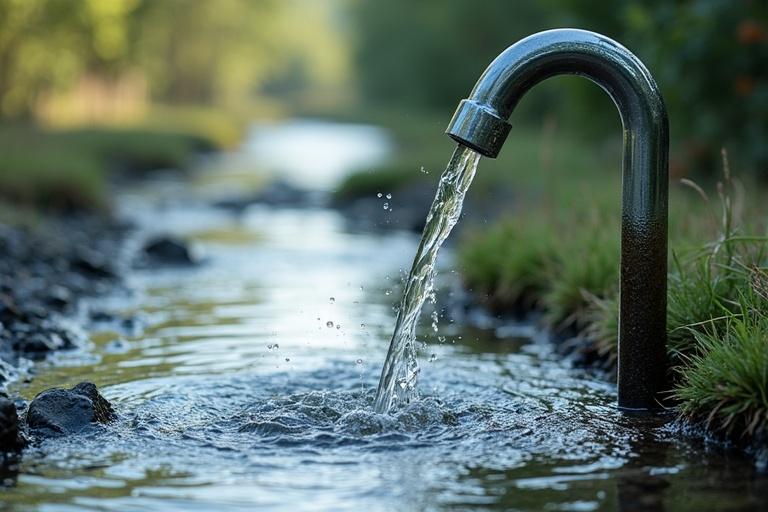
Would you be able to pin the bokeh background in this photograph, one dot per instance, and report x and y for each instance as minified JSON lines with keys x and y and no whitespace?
{"x":144,"y":83}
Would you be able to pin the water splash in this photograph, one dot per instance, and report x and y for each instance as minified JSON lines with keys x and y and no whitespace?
{"x":401,"y":368}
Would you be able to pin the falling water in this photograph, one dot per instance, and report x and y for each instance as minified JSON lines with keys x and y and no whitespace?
{"x":401,"y":369}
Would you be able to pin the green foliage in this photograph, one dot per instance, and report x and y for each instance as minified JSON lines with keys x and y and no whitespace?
{"x":709,"y":58}
{"x":439,"y":48}
{"x":507,"y":264}
{"x":586,"y":267}
{"x":725,"y":383}
{"x":69,"y":170}
{"x":707,"y":55}
{"x":218,"y":52}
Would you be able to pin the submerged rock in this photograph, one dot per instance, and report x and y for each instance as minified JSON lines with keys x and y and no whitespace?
{"x":9,"y":426}
{"x":168,"y":251}
{"x":68,"y":411}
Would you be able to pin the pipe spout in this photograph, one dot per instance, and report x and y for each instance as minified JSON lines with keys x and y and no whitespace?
{"x":481,"y":123}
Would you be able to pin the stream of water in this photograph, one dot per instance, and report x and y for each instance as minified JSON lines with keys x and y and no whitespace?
{"x":249,"y":382}
{"x":400,"y":373}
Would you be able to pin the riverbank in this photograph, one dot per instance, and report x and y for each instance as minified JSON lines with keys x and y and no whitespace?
{"x":48,"y":265}
{"x":60,"y":242}
{"x":716,"y":312}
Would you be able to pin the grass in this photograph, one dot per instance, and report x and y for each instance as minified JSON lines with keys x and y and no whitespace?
{"x":585,"y":268}
{"x":507,"y":266}
{"x":68,"y":169}
{"x":724,"y":384}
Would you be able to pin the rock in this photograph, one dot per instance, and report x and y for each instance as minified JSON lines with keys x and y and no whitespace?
{"x":9,"y":426}
{"x":168,"y":251}
{"x":68,"y":411}
{"x":58,"y":297}
{"x":92,"y":266}
{"x":277,"y":193}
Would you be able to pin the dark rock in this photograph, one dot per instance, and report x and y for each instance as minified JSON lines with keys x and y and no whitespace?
{"x":101,"y":316}
{"x":58,"y":297}
{"x":36,"y":345}
{"x":277,"y":193}
{"x":92,"y":266}
{"x":68,"y":411}
{"x":9,"y":426}
{"x":168,"y":251}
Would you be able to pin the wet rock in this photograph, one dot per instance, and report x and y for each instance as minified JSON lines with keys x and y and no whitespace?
{"x":101,"y":317}
{"x":168,"y":251}
{"x":277,"y":193}
{"x":92,"y":266}
{"x":58,"y":297}
{"x":9,"y":426}
{"x":68,"y":411}
{"x":36,"y":345}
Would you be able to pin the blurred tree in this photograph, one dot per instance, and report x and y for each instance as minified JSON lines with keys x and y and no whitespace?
{"x":205,"y":51}
{"x":709,"y":57}
{"x":189,"y":51}
{"x":430,"y":53}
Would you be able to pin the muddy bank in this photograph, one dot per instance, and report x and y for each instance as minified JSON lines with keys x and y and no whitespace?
{"x":47,"y":267}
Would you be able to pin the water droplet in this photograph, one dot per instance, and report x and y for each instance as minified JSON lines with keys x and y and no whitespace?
{"x":402,"y":383}
{"x":287,"y":359}
{"x":389,"y":196}
{"x":387,"y":292}
{"x":424,"y":170}
{"x":362,"y":325}
{"x":432,"y":358}
{"x":378,"y":195}
{"x":276,"y":346}
{"x":269,"y":347}
{"x":359,"y":361}
{"x":332,"y":300}
{"x":329,"y":324}
{"x":318,"y":319}
{"x":386,"y":206}
{"x":338,"y":326}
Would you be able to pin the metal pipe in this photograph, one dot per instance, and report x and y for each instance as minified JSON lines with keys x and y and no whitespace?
{"x":481,"y":123}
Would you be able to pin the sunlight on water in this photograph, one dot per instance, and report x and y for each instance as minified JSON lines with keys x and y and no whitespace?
{"x":401,"y":369}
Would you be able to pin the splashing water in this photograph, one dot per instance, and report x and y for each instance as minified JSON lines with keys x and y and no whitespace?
{"x":401,"y":368}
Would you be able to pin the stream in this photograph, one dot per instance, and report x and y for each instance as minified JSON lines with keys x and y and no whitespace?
{"x":249,"y":381}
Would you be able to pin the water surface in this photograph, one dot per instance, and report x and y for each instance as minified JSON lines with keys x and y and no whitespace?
{"x":249,"y":382}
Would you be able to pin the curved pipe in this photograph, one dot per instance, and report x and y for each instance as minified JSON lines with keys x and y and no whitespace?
{"x":481,"y":123}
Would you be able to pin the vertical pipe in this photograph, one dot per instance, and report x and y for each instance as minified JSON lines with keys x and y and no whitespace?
{"x":481,"y":123}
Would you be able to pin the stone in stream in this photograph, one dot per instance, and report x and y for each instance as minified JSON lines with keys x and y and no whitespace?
{"x":68,"y":411}
{"x":9,"y":426}
{"x":92,"y":265}
{"x":168,"y":251}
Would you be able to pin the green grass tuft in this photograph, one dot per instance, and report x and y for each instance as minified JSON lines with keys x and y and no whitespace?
{"x":724,"y":384}
{"x":507,"y":265}
{"x":586,"y":268}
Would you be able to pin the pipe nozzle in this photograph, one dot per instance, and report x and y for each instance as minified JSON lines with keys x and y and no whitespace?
{"x":478,"y":127}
